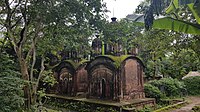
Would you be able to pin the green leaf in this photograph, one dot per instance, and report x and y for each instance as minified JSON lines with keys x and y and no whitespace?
{"x":173,"y":6}
{"x":193,"y":6}
{"x":169,"y":24}
{"x":195,"y":10}
{"x":177,"y":25}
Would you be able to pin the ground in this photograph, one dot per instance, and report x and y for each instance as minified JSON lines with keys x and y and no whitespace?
{"x":192,"y":101}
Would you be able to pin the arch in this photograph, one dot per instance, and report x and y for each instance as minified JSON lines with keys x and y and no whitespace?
{"x":132,"y":71}
{"x":65,"y":81}
{"x":65,"y":77}
{"x":134,"y":57}
{"x":101,"y":60}
{"x":101,"y":82}
{"x":65,"y":64}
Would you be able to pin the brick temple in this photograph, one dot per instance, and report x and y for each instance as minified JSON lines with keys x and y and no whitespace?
{"x":109,"y":74}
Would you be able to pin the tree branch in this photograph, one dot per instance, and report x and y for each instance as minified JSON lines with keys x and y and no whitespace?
{"x":38,"y":28}
{"x":8,"y":18}
{"x":34,"y":60}
{"x":14,"y":9}
{"x":23,"y":33}
{"x":16,"y":22}
{"x":40,"y":74}
{"x":33,"y":49}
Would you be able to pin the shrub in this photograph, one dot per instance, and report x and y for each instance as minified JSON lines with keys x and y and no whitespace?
{"x":192,"y":85}
{"x":11,"y":86}
{"x":196,"y":108}
{"x":146,"y":109}
{"x":153,"y":92}
{"x":171,"y":87}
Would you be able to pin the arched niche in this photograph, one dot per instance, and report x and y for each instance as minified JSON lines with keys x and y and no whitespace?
{"x":65,"y":77}
{"x":66,"y":81}
{"x":102,"y":82}
{"x":81,"y":80}
{"x":132,"y":78}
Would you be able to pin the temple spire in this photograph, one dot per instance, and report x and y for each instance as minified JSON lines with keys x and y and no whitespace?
{"x":114,"y":8}
{"x":114,"y":18}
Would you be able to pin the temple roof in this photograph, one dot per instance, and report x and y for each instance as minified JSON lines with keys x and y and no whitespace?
{"x":112,"y":61}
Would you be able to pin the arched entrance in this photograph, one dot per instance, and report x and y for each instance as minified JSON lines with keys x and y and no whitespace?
{"x":65,"y":82}
{"x":101,"y":83}
{"x":103,"y":88}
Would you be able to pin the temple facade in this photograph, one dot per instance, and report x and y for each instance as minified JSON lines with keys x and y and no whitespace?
{"x":115,"y":78}
{"x":110,"y":73}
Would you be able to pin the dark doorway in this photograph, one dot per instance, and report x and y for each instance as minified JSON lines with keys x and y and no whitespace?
{"x":65,"y":81}
{"x":69,"y":84}
{"x":103,"y":88}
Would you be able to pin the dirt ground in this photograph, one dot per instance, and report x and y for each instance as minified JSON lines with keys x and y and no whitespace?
{"x":188,"y":108}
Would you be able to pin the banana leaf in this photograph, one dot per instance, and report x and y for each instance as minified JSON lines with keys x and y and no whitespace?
{"x":176,"y":25}
{"x":194,"y":6}
{"x":172,"y":7}
{"x":169,"y":24}
{"x":175,"y":4}
{"x":196,"y":11}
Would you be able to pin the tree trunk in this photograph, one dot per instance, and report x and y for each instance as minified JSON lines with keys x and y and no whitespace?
{"x":25,"y":76}
{"x":35,"y":87}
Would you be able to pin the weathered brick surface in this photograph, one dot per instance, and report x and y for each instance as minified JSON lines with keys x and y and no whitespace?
{"x":102,"y":80}
{"x":81,"y":83}
{"x":101,"y":83}
{"x":131,"y":76}
{"x":133,"y":80}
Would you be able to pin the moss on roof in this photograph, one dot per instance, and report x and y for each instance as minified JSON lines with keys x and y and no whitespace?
{"x":74,"y":64}
{"x":119,"y":59}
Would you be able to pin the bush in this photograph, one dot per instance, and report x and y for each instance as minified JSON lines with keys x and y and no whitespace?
{"x":196,"y":108}
{"x":169,"y":86}
{"x":192,"y":85}
{"x":11,"y":86}
{"x":146,"y":109}
{"x":153,"y":92}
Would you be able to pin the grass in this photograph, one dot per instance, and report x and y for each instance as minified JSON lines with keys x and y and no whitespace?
{"x":170,"y":107}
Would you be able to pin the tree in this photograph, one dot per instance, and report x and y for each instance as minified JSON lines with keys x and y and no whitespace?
{"x":35,"y":27}
{"x":122,"y":31}
{"x":172,"y":19}
{"x":162,"y":49}
{"x":155,"y":44}
{"x":168,"y":53}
